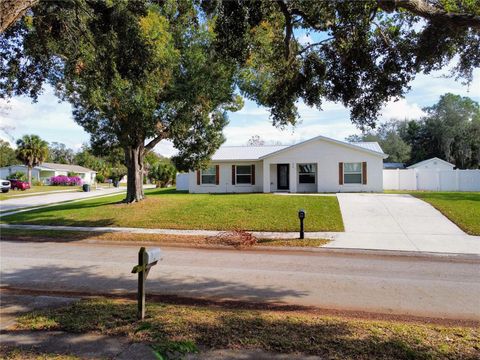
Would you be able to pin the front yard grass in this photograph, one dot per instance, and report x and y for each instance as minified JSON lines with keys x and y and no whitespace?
{"x":36,"y":190}
{"x":463,"y":208}
{"x":170,"y":328}
{"x":166,"y":208}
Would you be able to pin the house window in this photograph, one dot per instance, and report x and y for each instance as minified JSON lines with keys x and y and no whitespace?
{"x":244,"y":174}
{"x":208,"y":175}
{"x":306,"y":173}
{"x":352,"y":173}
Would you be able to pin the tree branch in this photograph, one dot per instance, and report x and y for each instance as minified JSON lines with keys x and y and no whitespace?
{"x":314,"y":44}
{"x":288,"y":27}
{"x":424,"y":9}
{"x":12,"y":10}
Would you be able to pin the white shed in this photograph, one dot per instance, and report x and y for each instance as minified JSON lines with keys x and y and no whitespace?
{"x":432,"y":164}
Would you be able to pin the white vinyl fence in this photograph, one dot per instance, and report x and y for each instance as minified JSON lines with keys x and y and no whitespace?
{"x":433,"y":180}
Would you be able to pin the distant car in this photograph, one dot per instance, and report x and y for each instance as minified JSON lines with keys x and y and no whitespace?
{"x":19,"y":184}
{"x":4,"y":185}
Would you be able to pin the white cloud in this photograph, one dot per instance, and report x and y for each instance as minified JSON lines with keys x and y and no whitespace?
{"x":401,"y":109}
{"x":47,"y":118}
{"x":165,"y":148}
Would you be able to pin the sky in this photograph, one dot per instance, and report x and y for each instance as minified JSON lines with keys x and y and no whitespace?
{"x":53,"y":122}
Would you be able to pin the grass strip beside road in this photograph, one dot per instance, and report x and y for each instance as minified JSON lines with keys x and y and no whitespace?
{"x":173,"y":327}
{"x":140,"y":239}
{"x":169,"y":209}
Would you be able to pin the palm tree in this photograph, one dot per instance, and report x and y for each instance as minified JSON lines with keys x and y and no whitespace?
{"x":32,"y":151}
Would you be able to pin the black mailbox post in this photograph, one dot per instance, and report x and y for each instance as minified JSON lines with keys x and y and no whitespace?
{"x":301,"y":216}
{"x":146,"y":259}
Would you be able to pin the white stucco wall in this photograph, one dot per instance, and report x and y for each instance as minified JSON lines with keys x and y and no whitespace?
{"x":225,"y":185}
{"x":6,"y":171}
{"x":327,"y":155}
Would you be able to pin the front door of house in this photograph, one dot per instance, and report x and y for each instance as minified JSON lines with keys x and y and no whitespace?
{"x":283,"y":177}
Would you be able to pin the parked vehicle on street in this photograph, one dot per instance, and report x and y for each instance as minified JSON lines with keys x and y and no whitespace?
{"x":19,"y":184}
{"x":4,"y":185}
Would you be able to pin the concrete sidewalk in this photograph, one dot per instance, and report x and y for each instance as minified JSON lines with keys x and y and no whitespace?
{"x":104,"y":229}
{"x":399,"y":222}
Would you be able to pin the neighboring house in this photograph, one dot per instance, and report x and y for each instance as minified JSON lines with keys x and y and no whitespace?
{"x":45,"y":171}
{"x":393,"y":165}
{"x":432,"y":164}
{"x":320,"y":164}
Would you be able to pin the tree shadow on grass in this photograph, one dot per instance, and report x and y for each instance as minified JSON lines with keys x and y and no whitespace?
{"x":218,"y":328}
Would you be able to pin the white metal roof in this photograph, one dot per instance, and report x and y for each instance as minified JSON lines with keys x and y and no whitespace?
{"x":58,"y":167}
{"x":225,"y":153}
{"x":248,"y":153}
{"x":66,"y":167}
{"x":372,"y":145}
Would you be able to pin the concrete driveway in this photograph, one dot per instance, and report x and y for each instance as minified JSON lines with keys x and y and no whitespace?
{"x":399,"y":222}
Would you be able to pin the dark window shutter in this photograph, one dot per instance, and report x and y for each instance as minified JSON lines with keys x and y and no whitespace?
{"x":253,"y":174}
{"x":340,"y":173}
{"x":217,"y":174}
{"x":233,"y":174}
{"x":364,"y":172}
{"x":198,"y":177}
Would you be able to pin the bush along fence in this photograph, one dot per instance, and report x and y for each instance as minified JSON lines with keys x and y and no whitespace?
{"x":66,"y":180}
{"x":431,"y":180}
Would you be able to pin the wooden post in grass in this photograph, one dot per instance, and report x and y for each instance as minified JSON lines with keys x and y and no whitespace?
{"x":141,"y":285}
{"x":146,"y":259}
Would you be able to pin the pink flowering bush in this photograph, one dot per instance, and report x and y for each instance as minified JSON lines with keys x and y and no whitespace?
{"x":66,"y":180}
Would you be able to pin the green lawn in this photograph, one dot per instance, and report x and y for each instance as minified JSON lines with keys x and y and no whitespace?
{"x":166,"y":208}
{"x":177,"y":328}
{"x":463,"y":208}
{"x":35,"y":190}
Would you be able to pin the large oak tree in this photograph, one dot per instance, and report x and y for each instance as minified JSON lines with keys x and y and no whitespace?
{"x":135,"y":72}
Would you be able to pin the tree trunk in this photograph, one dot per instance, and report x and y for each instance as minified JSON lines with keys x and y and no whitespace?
{"x":29,"y":175}
{"x":11,"y":10}
{"x":134,"y":161}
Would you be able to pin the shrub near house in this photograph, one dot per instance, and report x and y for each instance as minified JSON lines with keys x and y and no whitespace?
{"x":65,"y":180}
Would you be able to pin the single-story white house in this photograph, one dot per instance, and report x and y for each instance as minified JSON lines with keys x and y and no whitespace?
{"x":320,"y":164}
{"x":432,"y":164}
{"x":45,"y":171}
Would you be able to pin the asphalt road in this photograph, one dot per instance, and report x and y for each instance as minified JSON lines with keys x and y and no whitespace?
{"x":445,"y":287}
